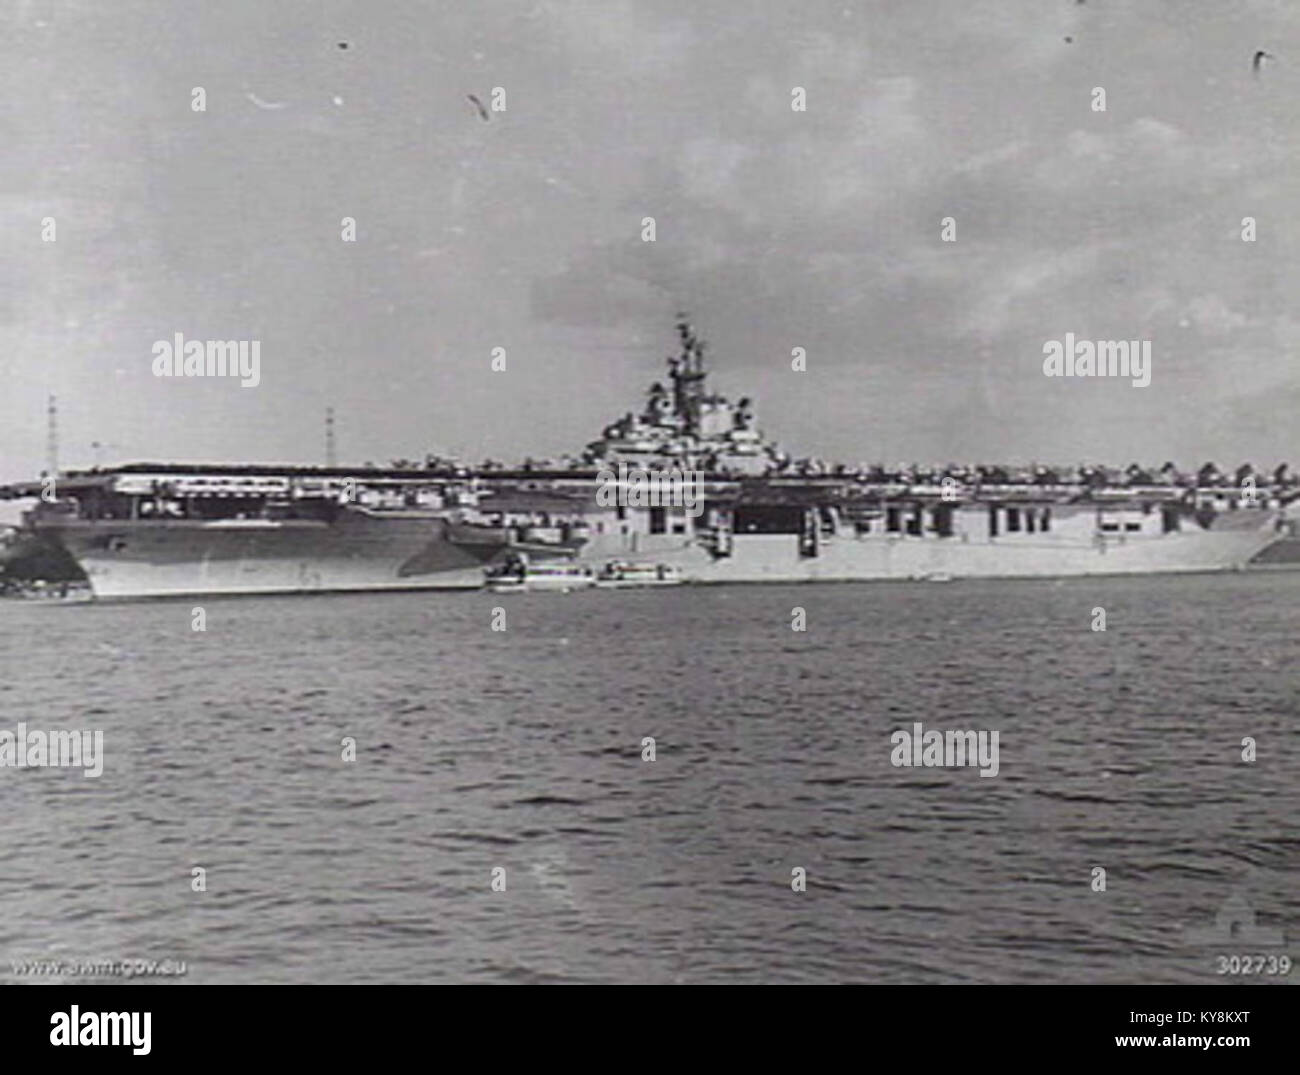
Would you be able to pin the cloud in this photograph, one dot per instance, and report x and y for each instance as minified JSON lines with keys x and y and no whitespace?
{"x":604,"y":287}
{"x":708,"y":167}
{"x":977,"y":163}
{"x":1024,"y":277}
{"x":619,"y":35}
{"x":1211,"y":315}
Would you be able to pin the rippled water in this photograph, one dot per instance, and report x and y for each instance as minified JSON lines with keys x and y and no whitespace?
{"x":522,"y":749}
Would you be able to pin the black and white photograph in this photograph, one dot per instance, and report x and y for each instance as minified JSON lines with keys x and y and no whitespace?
{"x":647,"y":493}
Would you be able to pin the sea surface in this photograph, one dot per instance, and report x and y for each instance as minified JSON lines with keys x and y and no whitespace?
{"x":522,"y":749}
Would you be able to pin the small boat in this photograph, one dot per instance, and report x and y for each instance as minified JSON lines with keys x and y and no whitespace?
{"x":517,"y":575}
{"x":621,"y":574}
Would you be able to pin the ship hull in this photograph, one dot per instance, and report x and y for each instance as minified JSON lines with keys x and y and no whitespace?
{"x":357,"y":551}
{"x":1074,"y":549}
{"x":771,"y":559}
{"x":366,"y":551}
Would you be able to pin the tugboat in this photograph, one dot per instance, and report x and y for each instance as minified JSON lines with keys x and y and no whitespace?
{"x":517,"y":575}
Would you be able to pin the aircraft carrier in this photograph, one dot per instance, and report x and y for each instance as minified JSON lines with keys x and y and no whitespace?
{"x":755,"y":514}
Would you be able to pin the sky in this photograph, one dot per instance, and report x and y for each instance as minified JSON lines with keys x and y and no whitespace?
{"x":775,"y":228}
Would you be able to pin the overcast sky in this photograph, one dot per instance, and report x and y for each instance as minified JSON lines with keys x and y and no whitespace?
{"x":776,"y":229}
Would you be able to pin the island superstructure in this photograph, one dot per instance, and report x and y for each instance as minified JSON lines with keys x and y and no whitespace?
{"x":161,"y":529}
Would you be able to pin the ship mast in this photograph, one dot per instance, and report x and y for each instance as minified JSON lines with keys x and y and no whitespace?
{"x":688,"y":375}
{"x":52,"y":436}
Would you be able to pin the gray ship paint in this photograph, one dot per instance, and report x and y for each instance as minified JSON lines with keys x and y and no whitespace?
{"x":647,"y":487}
